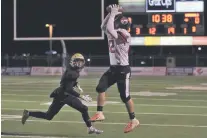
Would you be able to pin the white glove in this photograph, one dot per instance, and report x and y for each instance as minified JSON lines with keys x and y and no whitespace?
{"x":78,"y":87}
{"x":86,"y":98}
{"x":115,"y":10}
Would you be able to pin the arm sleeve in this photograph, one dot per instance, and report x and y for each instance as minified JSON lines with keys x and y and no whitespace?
{"x":103,"y":25}
{"x":110,"y":27}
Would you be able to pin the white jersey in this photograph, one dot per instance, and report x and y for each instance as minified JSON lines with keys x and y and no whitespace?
{"x":119,"y":48}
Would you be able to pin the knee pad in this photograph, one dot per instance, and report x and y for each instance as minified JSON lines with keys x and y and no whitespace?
{"x":100,"y":89}
{"x":125,"y":99}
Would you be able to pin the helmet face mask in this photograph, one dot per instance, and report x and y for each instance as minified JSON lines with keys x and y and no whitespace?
{"x":121,"y":22}
{"x":77,"y":61}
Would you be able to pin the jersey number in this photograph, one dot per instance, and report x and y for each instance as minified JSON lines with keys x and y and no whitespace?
{"x":111,"y":46}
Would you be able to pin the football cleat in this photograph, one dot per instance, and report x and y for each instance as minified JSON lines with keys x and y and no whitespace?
{"x":97,"y":117}
{"x":92,"y":130}
{"x":131,"y":125}
{"x":25,"y":116}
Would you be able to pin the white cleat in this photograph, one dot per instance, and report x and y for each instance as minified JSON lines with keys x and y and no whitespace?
{"x":93,"y":130}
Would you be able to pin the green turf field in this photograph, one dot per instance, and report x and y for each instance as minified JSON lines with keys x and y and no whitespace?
{"x":167,"y":107}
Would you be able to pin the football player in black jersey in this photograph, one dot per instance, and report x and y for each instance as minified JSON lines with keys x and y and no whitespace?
{"x":65,"y":94}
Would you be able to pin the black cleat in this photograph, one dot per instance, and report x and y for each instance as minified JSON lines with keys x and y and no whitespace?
{"x":25,"y":116}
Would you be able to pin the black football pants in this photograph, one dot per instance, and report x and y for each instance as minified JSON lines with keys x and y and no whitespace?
{"x":116,"y":74}
{"x":56,"y":106}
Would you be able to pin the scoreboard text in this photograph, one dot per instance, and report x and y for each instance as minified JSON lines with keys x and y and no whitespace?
{"x":167,"y":24}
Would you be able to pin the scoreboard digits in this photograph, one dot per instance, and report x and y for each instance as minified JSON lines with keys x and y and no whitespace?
{"x":152,"y":30}
{"x":166,"y":22}
{"x":162,"y":24}
{"x":161,"y":18}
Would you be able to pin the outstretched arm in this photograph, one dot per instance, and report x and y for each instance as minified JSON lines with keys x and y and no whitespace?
{"x":110,"y":24}
{"x":110,"y":27}
{"x":71,"y":91}
{"x":104,"y":23}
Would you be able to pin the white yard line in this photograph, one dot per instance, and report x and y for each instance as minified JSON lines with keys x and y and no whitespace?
{"x":107,"y":123}
{"x":175,"y":106}
{"x":18,"y":101}
{"x":20,"y":83}
{"x":156,"y":99}
{"x":46,"y":85}
{"x":25,"y":89}
{"x":90,"y":111}
{"x":24,"y":95}
{"x":153,"y":105}
{"x":30,"y":136}
{"x":51,"y":82}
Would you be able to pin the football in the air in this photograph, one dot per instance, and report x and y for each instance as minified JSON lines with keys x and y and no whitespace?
{"x":108,"y":9}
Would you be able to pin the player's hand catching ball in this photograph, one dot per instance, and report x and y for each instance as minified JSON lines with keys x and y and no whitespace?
{"x":115,"y":10}
{"x":86,"y":98}
{"x":109,"y":8}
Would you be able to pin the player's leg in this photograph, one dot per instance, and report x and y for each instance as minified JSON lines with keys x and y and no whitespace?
{"x":52,"y":111}
{"x":105,"y":82}
{"x":75,"y":103}
{"x":123,"y":87}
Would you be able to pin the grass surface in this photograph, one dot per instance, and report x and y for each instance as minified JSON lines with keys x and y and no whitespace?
{"x":163,"y":111}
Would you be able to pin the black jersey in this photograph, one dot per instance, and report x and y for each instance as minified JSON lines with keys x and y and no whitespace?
{"x":68,"y":81}
{"x":69,"y":78}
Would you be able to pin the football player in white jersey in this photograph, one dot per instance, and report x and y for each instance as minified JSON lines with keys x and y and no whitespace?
{"x":116,"y":26}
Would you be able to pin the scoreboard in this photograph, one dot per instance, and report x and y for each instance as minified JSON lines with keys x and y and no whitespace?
{"x":165,"y":20}
{"x":167,"y":24}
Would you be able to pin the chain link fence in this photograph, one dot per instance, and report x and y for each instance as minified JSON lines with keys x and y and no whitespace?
{"x":103,"y":60}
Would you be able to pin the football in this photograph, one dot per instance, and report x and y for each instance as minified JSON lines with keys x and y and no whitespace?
{"x":108,"y":9}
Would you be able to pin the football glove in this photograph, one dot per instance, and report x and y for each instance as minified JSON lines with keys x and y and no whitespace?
{"x":86,"y":98}
{"x":77,"y":86}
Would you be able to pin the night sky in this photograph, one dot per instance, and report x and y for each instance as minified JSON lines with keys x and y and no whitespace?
{"x":72,"y":17}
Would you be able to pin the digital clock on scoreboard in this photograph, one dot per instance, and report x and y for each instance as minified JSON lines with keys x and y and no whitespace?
{"x":165,"y":17}
{"x":167,"y":24}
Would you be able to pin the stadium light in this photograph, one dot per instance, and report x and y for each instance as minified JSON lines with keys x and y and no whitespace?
{"x":199,"y":48}
{"x":142,"y":62}
{"x":50,"y":27}
{"x":88,"y":59}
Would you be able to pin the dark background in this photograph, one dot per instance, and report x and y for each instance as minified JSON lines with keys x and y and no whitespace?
{"x":96,"y":47}
{"x":69,"y":21}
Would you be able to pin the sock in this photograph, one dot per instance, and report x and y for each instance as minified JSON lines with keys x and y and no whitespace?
{"x":38,"y":114}
{"x":86,"y":119}
{"x":132,"y":115}
{"x":100,"y":108}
